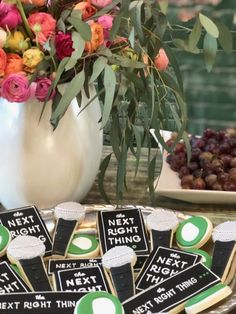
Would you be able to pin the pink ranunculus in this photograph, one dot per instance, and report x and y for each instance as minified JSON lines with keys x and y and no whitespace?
{"x":64,"y":45}
{"x":16,"y":88}
{"x":106,"y":21}
{"x":101,"y":3}
{"x":161,"y":60}
{"x":43,"y":26}
{"x":42,"y":88}
{"x":10,"y":17}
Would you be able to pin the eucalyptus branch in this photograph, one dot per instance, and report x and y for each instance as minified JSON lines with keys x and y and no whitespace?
{"x":24,"y":18}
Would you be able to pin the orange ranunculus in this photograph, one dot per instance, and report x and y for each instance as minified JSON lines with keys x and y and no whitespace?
{"x":14,"y":64}
{"x":97,"y":38}
{"x":43,"y":26}
{"x":86,"y":9}
{"x":37,"y":3}
{"x":3,"y":62}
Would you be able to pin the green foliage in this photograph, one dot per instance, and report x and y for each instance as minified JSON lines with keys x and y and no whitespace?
{"x":135,"y":96}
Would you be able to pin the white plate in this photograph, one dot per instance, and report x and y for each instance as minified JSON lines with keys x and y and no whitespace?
{"x":168,"y":184}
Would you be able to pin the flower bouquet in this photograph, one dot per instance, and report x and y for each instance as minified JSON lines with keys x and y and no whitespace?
{"x":125,"y":48}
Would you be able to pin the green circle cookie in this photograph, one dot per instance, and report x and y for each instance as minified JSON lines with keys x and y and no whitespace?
{"x":99,"y":303}
{"x":83,"y":245}
{"x":207,"y":298}
{"x":206,"y":258}
{"x":5,"y":238}
{"x":193,"y":232}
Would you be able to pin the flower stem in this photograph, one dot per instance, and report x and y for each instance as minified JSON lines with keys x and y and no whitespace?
{"x":24,"y":18}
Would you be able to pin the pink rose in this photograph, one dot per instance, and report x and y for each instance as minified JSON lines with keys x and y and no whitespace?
{"x":106,"y":21}
{"x":16,"y":88}
{"x":9,"y":16}
{"x":64,"y":45}
{"x":42,"y":88}
{"x":43,"y":25}
{"x":101,"y":3}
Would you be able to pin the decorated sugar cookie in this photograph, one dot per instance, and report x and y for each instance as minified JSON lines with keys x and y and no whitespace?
{"x":27,"y":253}
{"x":170,"y":295}
{"x":5,"y":238}
{"x":122,"y":227}
{"x":69,"y":215}
{"x":206,"y":258}
{"x":207,"y":298}
{"x":224,"y":237}
{"x":194,"y":232}
{"x":99,"y":303}
{"x":119,"y":262}
{"x":162,"y":225}
{"x":83,"y":246}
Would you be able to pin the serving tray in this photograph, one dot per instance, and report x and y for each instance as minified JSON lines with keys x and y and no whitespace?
{"x":89,"y":226}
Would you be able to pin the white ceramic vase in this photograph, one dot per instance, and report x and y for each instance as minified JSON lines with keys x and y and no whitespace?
{"x":44,"y":167}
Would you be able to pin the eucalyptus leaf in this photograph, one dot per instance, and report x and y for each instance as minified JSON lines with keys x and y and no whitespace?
{"x":209,"y":25}
{"x":225,"y":37}
{"x":98,"y":67}
{"x":81,"y":27}
{"x":195,"y":35}
{"x":110,"y":86}
{"x":151,"y":176}
{"x":121,"y":171}
{"x":71,"y":91}
{"x":101,"y":176}
{"x":78,"y":45}
{"x":210,"y":50}
{"x":135,"y":9}
{"x":164,"y":6}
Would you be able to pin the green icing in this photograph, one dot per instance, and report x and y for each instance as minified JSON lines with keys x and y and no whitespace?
{"x":74,"y":249}
{"x":199,"y":222}
{"x":205,"y":294}
{"x":206,"y":258}
{"x":4,"y":237}
{"x":85,"y":305}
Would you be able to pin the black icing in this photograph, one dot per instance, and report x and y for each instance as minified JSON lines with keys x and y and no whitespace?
{"x":161,"y":238}
{"x":10,"y":281}
{"x":84,"y":279}
{"x":39,"y":303}
{"x":27,"y":221}
{"x":163,"y":263}
{"x":35,"y":272}
{"x":123,"y":227}
{"x":63,"y":233}
{"x":172,"y":292}
{"x":122,"y":278}
{"x":221,"y":254}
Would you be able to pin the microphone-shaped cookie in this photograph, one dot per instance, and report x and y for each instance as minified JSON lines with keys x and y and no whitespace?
{"x":69,"y":215}
{"x":162,"y":225}
{"x":119,"y":262}
{"x":5,"y":238}
{"x":224,"y":237}
{"x":27,"y":253}
{"x":99,"y":303}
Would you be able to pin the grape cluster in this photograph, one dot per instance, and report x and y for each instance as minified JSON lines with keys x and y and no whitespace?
{"x":213,"y":161}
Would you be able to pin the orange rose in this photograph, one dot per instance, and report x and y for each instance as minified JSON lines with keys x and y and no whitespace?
{"x":3,"y":62}
{"x":97,"y":38}
{"x":14,"y":64}
{"x":37,"y":3}
{"x":86,"y":9}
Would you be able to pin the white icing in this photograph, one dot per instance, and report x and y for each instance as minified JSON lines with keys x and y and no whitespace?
{"x":82,"y":243}
{"x":162,"y":220}
{"x":70,"y":211}
{"x":189,"y":232}
{"x":0,"y":239}
{"x":25,"y":247}
{"x":103,"y":305}
{"x":225,"y":232}
{"x":118,"y":256}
